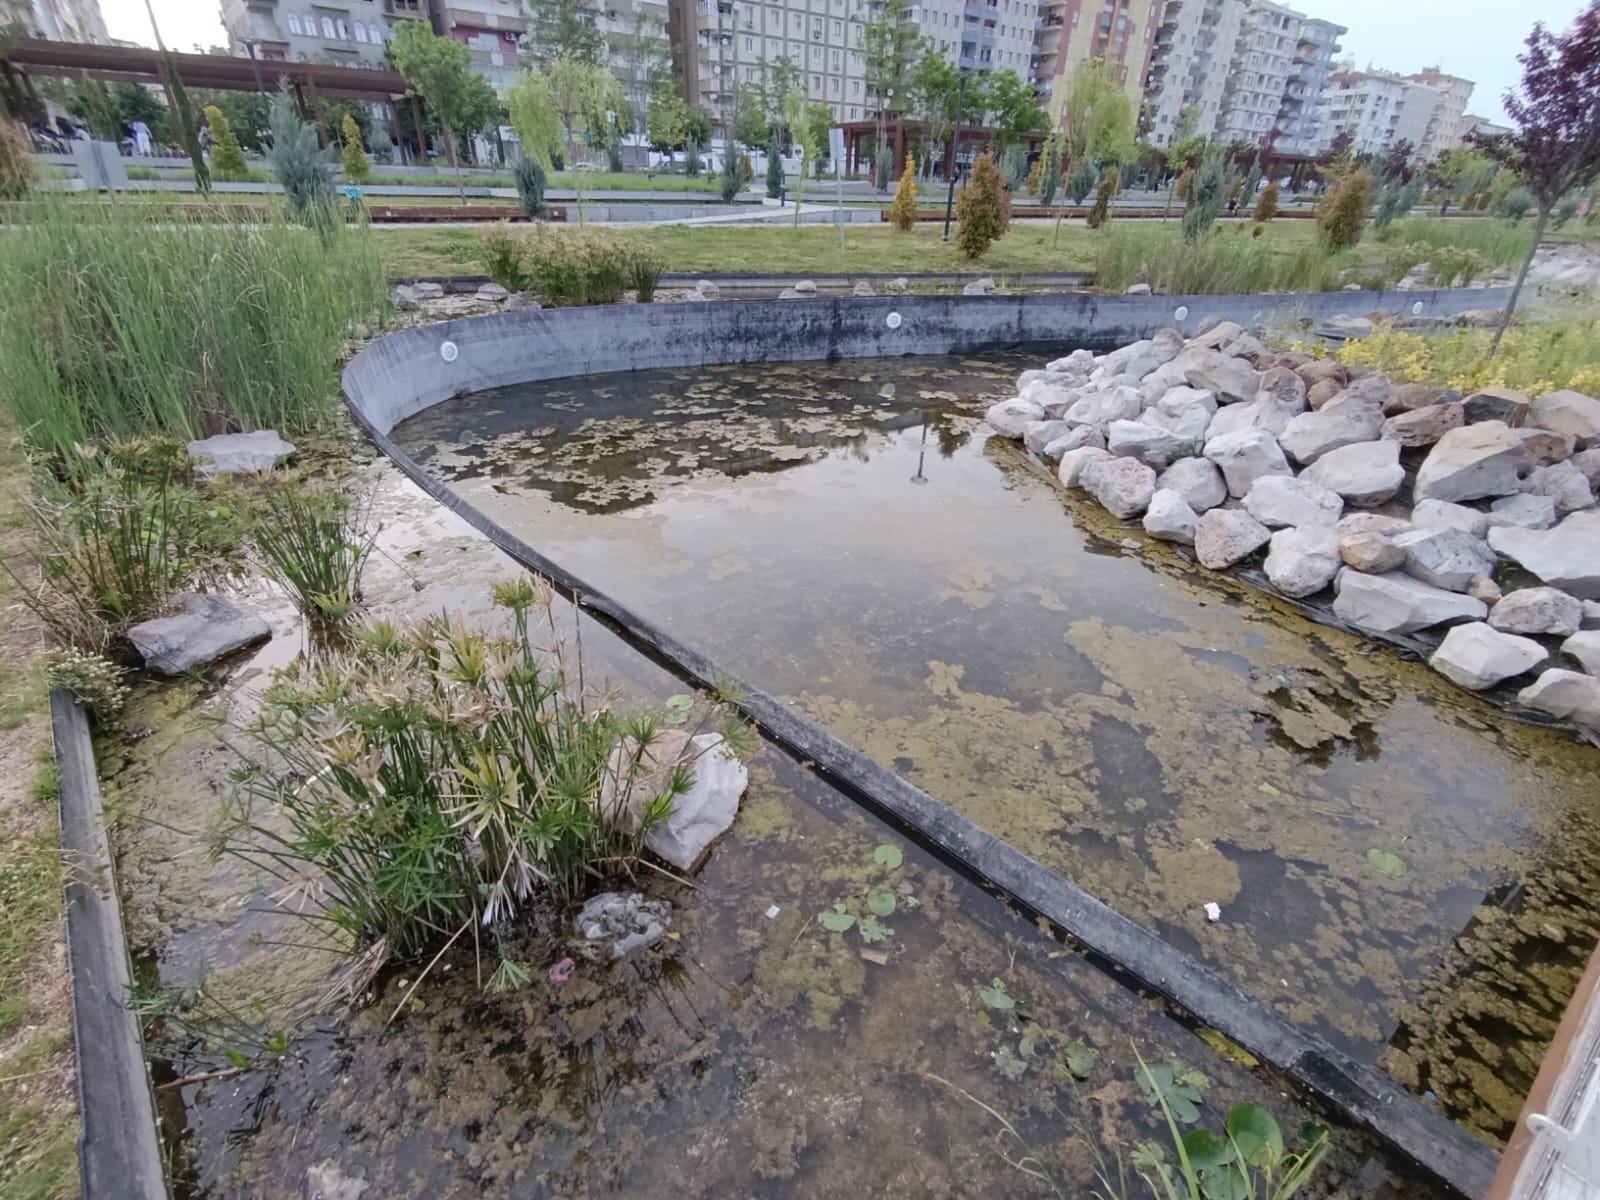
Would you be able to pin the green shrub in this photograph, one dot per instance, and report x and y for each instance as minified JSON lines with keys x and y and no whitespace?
{"x":1455,"y":266}
{"x":530,"y":188}
{"x":983,"y":209}
{"x":94,"y":680}
{"x":1206,"y":195}
{"x":1050,"y":177}
{"x":1267,"y":203}
{"x":502,"y":257}
{"x":1184,"y":188}
{"x":1565,"y":210}
{"x":299,"y":165}
{"x":1515,"y":205}
{"x":1014,"y":167}
{"x":1501,"y":245}
{"x":903,"y":212}
{"x":357,"y":166}
{"x":1396,"y":199}
{"x":16,"y":162}
{"x":1342,"y":213}
{"x":733,"y":178}
{"x":774,"y":171}
{"x":438,"y":779}
{"x":1100,"y":214}
{"x":1212,"y":264}
{"x":1081,"y":181}
{"x":227,"y":157}
{"x":312,"y":541}
{"x":588,"y":265}
{"x":645,"y":265}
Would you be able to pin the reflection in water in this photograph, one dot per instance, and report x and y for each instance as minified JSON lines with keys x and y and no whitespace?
{"x":1166,"y":739}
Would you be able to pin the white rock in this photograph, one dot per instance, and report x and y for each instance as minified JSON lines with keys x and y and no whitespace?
{"x":1036,"y":435}
{"x":1189,"y":425}
{"x":1304,"y":560}
{"x":1446,"y":558}
{"x":1183,"y":398}
{"x":1371,"y":552}
{"x":1280,"y":500}
{"x":1567,"y":694}
{"x":234,"y":453}
{"x":1213,"y":332}
{"x":492,"y":293}
{"x":1368,"y":522}
{"x":1075,"y":462}
{"x":1154,"y":352}
{"x":1150,"y":444}
{"x":1245,"y":457}
{"x":1585,"y":647}
{"x":1075,"y":438}
{"x":1075,"y":366}
{"x":1310,"y":435}
{"x":1567,"y":412}
{"x":1223,"y":536}
{"x":1170,"y":518}
{"x":1232,"y":380}
{"x":700,"y":815}
{"x":1010,"y":418}
{"x":1441,"y":514}
{"x":1485,"y":459}
{"x":1588,"y":461}
{"x":1591,"y":614}
{"x":1397,"y":603}
{"x":1031,"y":376}
{"x":1522,"y":511}
{"x":1538,"y":610}
{"x":1100,"y":408}
{"x":1197,"y":480}
{"x":1366,"y":474}
{"x":1476,"y":657}
{"x":1486,"y":589}
{"x":1123,"y":486}
{"x":1161,"y":381}
{"x":1264,"y":412}
{"x":1563,"y":483}
{"x":806,"y":287}
{"x":1567,"y":557}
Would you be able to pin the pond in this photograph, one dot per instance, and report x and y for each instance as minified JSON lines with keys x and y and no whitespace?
{"x":1399,"y":866}
{"x":765,"y":1051}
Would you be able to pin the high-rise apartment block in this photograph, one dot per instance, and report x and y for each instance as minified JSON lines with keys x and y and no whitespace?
{"x":351,"y":32}
{"x":1377,"y":109}
{"x":492,"y":30}
{"x":1298,"y":126}
{"x":1067,"y":32}
{"x":68,"y":21}
{"x":1447,"y":123}
{"x":1263,"y":63}
{"x":1195,"y":43}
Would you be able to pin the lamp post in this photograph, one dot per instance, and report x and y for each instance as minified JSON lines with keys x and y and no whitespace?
{"x":955,"y":137}
{"x":250,"y":45}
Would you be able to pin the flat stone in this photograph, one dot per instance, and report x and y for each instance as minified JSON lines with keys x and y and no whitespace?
{"x":1101,"y":407}
{"x":1585,"y":647}
{"x":1231,"y":380}
{"x":1340,"y":423}
{"x":1304,"y":560}
{"x":1567,"y":694}
{"x":1476,"y":656}
{"x":1369,"y":522}
{"x":1538,"y":610}
{"x":1366,"y":474}
{"x":1564,"y":484}
{"x":491,"y":293}
{"x":1471,"y":462}
{"x":1568,"y":412}
{"x":1397,"y":603}
{"x":1138,"y":289}
{"x":1423,"y":426}
{"x":1371,"y":552}
{"x":206,"y":627}
{"x":1150,"y":444}
{"x":1011,"y":418}
{"x":697,"y":817}
{"x":1075,"y":462}
{"x":1214,"y":332}
{"x":979,"y":287}
{"x":1075,"y":438}
{"x":805,"y":287}
{"x":862,"y":288}
{"x":1170,"y":518}
{"x":1441,"y":514}
{"x":1588,"y":462}
{"x":1245,"y":457}
{"x":1342,"y":328}
{"x":1522,"y":512}
{"x":1446,"y":558}
{"x":1223,"y":536}
{"x":1282,"y":500}
{"x":616,"y":925}
{"x":1197,"y":480}
{"x":1567,"y":556}
{"x":1541,"y":447}
{"x":237,"y":453}
{"x":1505,"y":405}
{"x":1408,"y":397}
{"x":1123,"y":486}
{"x":1036,"y":435}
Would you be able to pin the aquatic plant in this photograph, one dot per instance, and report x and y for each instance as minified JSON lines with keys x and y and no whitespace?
{"x":502,"y":257}
{"x":312,"y":541}
{"x":1533,"y":359}
{"x":93,"y":679}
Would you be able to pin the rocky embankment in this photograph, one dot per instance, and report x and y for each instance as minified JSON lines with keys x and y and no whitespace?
{"x":1421,"y":509}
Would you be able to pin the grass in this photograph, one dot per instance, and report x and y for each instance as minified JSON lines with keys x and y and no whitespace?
{"x":123,"y":321}
{"x":610,"y":181}
{"x":1228,"y":260}
{"x":313,"y":542}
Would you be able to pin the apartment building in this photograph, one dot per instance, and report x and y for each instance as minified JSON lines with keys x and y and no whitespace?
{"x":1447,"y":123}
{"x":979,"y":35}
{"x":1067,"y":32}
{"x":68,"y":21}
{"x":492,"y":30}
{"x":1193,"y":52}
{"x":1314,"y":52}
{"x":346,"y":32}
{"x":1263,"y":63}
{"x":1378,"y":109}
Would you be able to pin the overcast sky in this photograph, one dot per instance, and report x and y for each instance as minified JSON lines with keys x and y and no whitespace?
{"x":1476,"y":39}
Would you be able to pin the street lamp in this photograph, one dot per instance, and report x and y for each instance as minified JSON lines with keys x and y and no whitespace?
{"x":250,"y":45}
{"x":955,"y":137}
{"x":877,"y":150}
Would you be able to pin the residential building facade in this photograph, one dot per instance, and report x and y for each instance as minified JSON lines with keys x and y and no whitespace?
{"x":1447,"y":123}
{"x":1068,"y":32}
{"x":346,"y":32}
{"x":1377,"y":109}
{"x":69,"y":21}
{"x":1263,"y":62}
{"x":492,"y":30}
{"x":1318,"y":45}
{"x":1193,"y":50}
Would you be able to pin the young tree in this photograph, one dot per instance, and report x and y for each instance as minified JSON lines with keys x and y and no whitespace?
{"x":983,"y":209}
{"x":669,"y":119}
{"x":1050,"y":175}
{"x":750,"y":124}
{"x":1207,"y":195}
{"x":819,"y":122}
{"x":1186,"y":144}
{"x":357,"y":166}
{"x":774,"y":169}
{"x":1342,"y":213}
{"x":806,"y":134}
{"x":1184,"y":188}
{"x":889,"y":47}
{"x":935,"y":86}
{"x":1081,"y":181}
{"x":733,"y":176}
{"x":697,"y":123}
{"x":227,"y":158}
{"x":1459,"y":172}
{"x":903,"y":212}
{"x":778,"y":78}
{"x":530,"y":178}
{"x":1267,"y":203}
{"x":439,"y":69}
{"x":1015,"y":110}
{"x":564,"y":29}
{"x":1396,"y":198}
{"x":1110,"y":184}
{"x":534,"y":117}
{"x":1098,"y":118}
{"x":587,"y":98}
{"x":1556,"y":111}
{"x":299,"y":165}
{"x":643,"y":63}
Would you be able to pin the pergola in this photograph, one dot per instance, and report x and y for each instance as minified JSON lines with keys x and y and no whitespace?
{"x":899,"y":132}
{"x":311,"y":82}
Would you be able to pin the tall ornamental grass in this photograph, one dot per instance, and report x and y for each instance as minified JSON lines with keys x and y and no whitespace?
{"x":1500,"y":244}
{"x":121,"y":321}
{"x":1221,"y":262}
{"x":571,"y":267}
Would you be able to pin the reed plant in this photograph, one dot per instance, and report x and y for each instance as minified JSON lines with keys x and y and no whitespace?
{"x":126,"y":320}
{"x":571,"y":267}
{"x":1500,"y":244}
{"x":1215,"y":263}
{"x":313,"y":541}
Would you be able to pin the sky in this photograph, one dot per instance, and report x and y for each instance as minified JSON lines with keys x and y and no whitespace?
{"x":1476,"y":39}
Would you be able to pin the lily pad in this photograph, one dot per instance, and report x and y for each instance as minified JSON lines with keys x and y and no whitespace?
{"x":871,"y":931}
{"x":1080,"y":1058}
{"x":1009,"y":1063}
{"x":888,"y":855}
{"x":997,"y":996}
{"x":1256,"y":1134}
{"x":881,"y":902}
{"x":1387,"y":861}
{"x":678,"y":708}
{"x":1179,"y":1086}
{"x":835,"y":919}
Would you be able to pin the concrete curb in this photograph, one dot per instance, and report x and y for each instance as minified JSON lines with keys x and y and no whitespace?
{"x":119,"y":1154}
{"x":412,"y":370}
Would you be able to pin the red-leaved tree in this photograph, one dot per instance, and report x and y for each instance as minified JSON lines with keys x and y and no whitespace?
{"x":1557,"y":114}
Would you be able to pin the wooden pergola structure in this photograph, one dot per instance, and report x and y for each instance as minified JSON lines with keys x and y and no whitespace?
{"x":311,"y":82}
{"x":900,"y":133}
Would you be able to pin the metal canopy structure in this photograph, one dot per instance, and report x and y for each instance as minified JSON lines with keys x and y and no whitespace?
{"x":899,"y":132}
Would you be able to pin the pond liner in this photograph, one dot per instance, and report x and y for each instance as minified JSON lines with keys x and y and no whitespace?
{"x":618,"y":338}
{"x":119,"y":1155}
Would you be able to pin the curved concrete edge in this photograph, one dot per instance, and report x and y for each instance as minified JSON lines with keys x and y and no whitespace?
{"x":119,"y":1153}
{"x":403,"y":374}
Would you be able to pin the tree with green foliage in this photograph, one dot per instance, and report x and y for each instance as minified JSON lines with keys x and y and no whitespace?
{"x":733,"y":177}
{"x":530,"y":178}
{"x":777,"y":79}
{"x":1566,"y":210}
{"x":534,"y":117}
{"x":1187,"y":145}
{"x":889,"y":47}
{"x":1342,"y":213}
{"x":1267,"y":203}
{"x":246,"y":112}
{"x":750,"y":125}
{"x":983,"y":208}
{"x":227,"y":159}
{"x":819,"y":121}
{"x":439,"y":69}
{"x":774,"y":169}
{"x":935,"y":86}
{"x":1081,"y":181}
{"x":642,"y":59}
{"x":1184,"y":188}
{"x":1014,"y":167}
{"x":697,"y":125}
{"x":1518,"y":201}
{"x":1460,"y":172}
{"x":1015,"y":110}
{"x":564,"y":29}
{"x":1396,"y":198}
{"x":669,"y":118}
{"x":1207,"y":195}
{"x":1050,"y":175}
{"x":357,"y":166}
{"x":16,"y":161}
{"x":586,"y":98}
{"x":903,"y":212}
{"x":298,"y":164}
{"x":805,"y":132}
{"x":1110,"y":184}
{"x":1097,"y":117}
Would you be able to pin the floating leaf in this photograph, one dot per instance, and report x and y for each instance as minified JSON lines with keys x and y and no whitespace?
{"x":889,"y":856}
{"x":678,"y":708}
{"x":1177,"y":1085}
{"x":1205,"y":1150}
{"x":835,"y":919}
{"x":1008,"y":1064}
{"x":905,"y":888}
{"x":997,"y":996}
{"x":871,"y":931}
{"x":1025,"y":1047}
{"x":1080,"y":1058}
{"x":881,"y":902}
{"x":1255,"y":1132}
{"x":1229,"y":1050}
{"x":1230,"y":1182}
{"x":1386,"y":861}
{"x":413,"y":555}
{"x":876,"y":956}
{"x":1267,"y":789}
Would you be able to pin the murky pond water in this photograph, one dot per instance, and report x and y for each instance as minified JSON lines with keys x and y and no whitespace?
{"x":847,"y":537}
{"x":758,"y":1054}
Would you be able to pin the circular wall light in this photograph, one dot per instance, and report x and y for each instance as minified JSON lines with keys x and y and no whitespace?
{"x":449,"y":351}
{"x":1416,"y":309}
{"x":1181,"y":313}
{"x":892,"y":320}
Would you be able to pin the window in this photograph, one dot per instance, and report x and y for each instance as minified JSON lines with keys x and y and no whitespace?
{"x":833,"y":85}
{"x":361,"y":33}
{"x":816,"y":83}
{"x":855,"y":90}
{"x":327,"y":28}
{"x":294,"y":23}
{"x":833,"y":60}
{"x":838,"y":29}
{"x":749,"y":43}
{"x":344,"y":31}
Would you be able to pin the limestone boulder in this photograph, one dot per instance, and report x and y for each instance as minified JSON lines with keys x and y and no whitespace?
{"x":1178,"y":400}
{"x":1223,"y":536}
{"x":1341,"y":422}
{"x":1285,"y":387}
{"x":1282,"y":500}
{"x":1322,"y":393}
{"x":1538,"y":610}
{"x":1266,"y":411}
{"x":1397,"y":603}
{"x":1588,"y":462}
{"x":1213,"y":332}
{"x":1011,"y":418}
{"x":1541,"y":447}
{"x":1160,"y":349}
{"x":1571,"y":695}
{"x":1100,"y":408}
{"x":1486,"y":589}
{"x":1565,"y":485}
{"x":1075,"y":462}
{"x":1568,"y":412}
{"x":1231,"y":380}
{"x":1189,"y":425}
{"x":1371,"y":522}
{"x":1074,"y":438}
{"x":1161,"y":381}
{"x":1446,"y":558}
{"x":1123,"y":486}
{"x":1591,"y":614}
{"x":1245,"y":457}
{"x":1365,"y":474}
{"x":1522,"y":511}
{"x":1408,"y":397}
{"x":1474,"y":461}
{"x":1423,"y":426}
{"x":1566,"y":556}
{"x":1323,"y":370}
{"x":1304,"y":560}
{"x":1585,"y":647}
{"x":1476,"y":656}
{"x":1197,"y":480}
{"x":1036,"y":435}
{"x":1076,"y":366}
{"x":1371,"y":552}
{"x":1150,"y":444}
{"x":1170,"y":518}
{"x":1441,"y":514}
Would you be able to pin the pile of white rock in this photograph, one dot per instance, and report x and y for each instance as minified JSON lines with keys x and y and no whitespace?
{"x":1220,"y":444}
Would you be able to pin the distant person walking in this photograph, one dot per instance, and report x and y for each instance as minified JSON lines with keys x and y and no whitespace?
{"x":141,"y":139}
